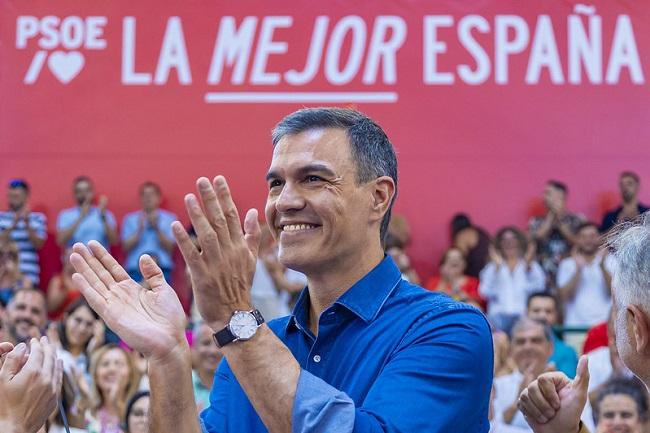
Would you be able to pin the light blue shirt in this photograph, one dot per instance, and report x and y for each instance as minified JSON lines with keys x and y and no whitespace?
{"x":148,"y":242}
{"x":389,"y":357}
{"x":90,"y":228}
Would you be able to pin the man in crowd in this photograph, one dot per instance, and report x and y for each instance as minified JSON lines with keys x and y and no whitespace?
{"x":26,"y":228}
{"x":30,"y":384}
{"x":26,"y":316}
{"x":544,"y":307}
{"x":555,"y":231}
{"x":629,"y":185}
{"x":205,"y":360}
{"x":149,"y":231}
{"x":363,"y":350}
{"x":532,"y":346}
{"x":584,"y":280}
{"x":86,"y":222}
{"x":553,"y":403}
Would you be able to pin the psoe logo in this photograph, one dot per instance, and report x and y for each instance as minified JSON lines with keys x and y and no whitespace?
{"x":60,"y":42}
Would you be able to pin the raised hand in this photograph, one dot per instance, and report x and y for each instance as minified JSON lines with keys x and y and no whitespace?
{"x":29,"y":386}
{"x":222,"y":269}
{"x":553,"y":403}
{"x":151,"y":321}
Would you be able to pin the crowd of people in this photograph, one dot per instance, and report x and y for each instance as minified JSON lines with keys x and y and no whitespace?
{"x":533,"y":285}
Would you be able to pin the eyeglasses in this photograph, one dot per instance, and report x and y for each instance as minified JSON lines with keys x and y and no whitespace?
{"x":138,"y":413}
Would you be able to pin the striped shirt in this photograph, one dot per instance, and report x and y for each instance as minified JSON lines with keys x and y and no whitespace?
{"x":27,"y":255}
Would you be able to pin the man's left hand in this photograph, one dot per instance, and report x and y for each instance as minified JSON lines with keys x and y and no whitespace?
{"x":222,"y":270}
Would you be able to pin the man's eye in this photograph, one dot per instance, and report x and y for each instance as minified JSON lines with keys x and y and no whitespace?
{"x":314,"y":178}
{"x":274,"y":183}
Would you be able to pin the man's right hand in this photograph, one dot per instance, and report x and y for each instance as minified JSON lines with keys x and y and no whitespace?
{"x":151,"y":321}
{"x":553,"y":403}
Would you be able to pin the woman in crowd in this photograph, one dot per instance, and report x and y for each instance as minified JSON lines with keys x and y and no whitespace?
{"x":510,"y":277}
{"x":61,"y":292}
{"x":114,"y":381}
{"x":11,"y":279}
{"x":472,"y":241}
{"x":78,"y":334}
{"x":453,"y":281}
{"x":136,"y":419}
{"x":621,"y":406}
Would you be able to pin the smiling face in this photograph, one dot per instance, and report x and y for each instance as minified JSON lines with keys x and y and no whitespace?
{"x":618,"y":414}
{"x":530,"y":346}
{"x":26,"y":314}
{"x":315,"y":209}
{"x":112,"y":370}
{"x":205,"y":351}
{"x":79,"y":326}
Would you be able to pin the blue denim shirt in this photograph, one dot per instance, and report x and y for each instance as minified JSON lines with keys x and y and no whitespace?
{"x":389,"y":357}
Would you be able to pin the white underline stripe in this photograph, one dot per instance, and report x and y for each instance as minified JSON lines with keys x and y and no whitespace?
{"x":310,"y":97}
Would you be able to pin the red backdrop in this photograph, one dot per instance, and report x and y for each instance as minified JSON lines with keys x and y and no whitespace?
{"x":484,"y":100}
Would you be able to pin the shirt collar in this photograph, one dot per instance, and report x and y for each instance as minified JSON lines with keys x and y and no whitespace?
{"x":364,"y":299}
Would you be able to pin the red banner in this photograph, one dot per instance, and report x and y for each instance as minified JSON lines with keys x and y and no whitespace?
{"x":484,"y":100}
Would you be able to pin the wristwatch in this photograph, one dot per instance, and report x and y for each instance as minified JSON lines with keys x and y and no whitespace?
{"x":241,"y":327}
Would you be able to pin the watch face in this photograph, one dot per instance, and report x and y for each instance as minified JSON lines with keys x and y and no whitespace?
{"x":243,"y":325}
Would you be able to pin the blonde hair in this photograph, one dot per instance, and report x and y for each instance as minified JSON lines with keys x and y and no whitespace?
{"x":97,"y":399}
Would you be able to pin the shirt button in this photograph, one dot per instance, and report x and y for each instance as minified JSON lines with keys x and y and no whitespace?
{"x":316,"y":358}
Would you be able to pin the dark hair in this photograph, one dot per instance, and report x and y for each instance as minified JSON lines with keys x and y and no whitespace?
{"x":445,"y":255}
{"x":81,"y":302}
{"x":558,"y":185}
{"x":546,"y":295}
{"x":630,"y":387}
{"x":129,"y":407}
{"x":631,"y":174}
{"x":82,"y":178}
{"x":521,"y":238}
{"x":459,"y":222}
{"x":19,"y":183}
{"x":371,"y":149}
{"x":587,"y":224}
{"x":149,"y":184}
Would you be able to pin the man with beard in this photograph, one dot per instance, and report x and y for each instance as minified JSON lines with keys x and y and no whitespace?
{"x":86,"y":222}
{"x":25,"y":316}
{"x":629,"y":185}
{"x":584,"y":280}
{"x":24,"y":227}
{"x":553,"y":403}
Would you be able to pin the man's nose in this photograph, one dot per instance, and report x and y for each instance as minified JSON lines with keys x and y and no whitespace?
{"x":290,"y":198}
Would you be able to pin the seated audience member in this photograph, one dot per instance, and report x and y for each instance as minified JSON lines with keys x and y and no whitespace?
{"x":544,"y":307}
{"x":629,"y":185}
{"x":11,"y":279}
{"x":621,"y":407}
{"x":28,"y":229}
{"x":78,"y":335}
{"x":136,"y":419}
{"x":510,"y":277}
{"x":453,"y":281}
{"x":497,"y":425}
{"x":30,"y":382}
{"x":114,"y":381}
{"x":399,"y":230}
{"x":61,"y":292}
{"x":26,"y":316}
{"x":554,"y":232}
{"x":532,"y":345}
{"x":503,"y":363}
{"x":394,"y":248}
{"x":149,"y":231}
{"x":205,"y":360}
{"x":472,"y":241}
{"x":584,"y":280}
{"x":86,"y":222}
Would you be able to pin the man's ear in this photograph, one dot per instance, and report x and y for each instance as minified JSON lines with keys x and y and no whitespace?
{"x":383,"y":191}
{"x":640,"y":329}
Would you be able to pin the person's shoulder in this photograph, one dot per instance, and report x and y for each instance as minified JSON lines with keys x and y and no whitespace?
{"x":167,"y":214}
{"x":68,"y":211}
{"x":132,"y":215}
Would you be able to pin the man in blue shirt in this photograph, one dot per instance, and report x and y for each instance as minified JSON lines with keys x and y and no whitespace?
{"x":149,"y":231}
{"x":86,"y":222}
{"x":363,"y":351}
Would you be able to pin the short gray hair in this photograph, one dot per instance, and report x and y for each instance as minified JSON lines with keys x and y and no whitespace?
{"x":372,"y":151}
{"x":630,"y":245}
{"x":526,"y":322}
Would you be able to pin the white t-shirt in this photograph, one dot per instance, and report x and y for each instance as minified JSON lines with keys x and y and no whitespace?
{"x":592,"y":301}
{"x":507,"y":292}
